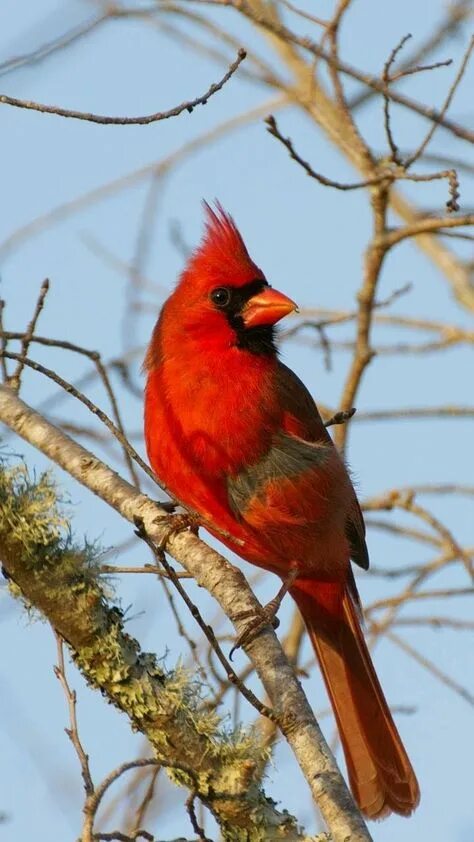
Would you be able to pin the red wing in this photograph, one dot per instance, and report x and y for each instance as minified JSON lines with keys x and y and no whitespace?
{"x":299,"y":474}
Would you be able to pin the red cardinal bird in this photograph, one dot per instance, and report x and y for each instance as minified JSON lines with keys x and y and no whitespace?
{"x":236,"y":436}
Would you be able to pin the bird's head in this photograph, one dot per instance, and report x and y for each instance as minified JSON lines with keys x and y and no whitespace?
{"x":222,"y":297}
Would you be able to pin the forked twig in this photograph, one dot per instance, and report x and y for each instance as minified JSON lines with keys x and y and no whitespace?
{"x":15,"y":379}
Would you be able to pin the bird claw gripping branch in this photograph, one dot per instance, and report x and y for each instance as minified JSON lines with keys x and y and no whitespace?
{"x":266,"y":616}
{"x":175,"y":524}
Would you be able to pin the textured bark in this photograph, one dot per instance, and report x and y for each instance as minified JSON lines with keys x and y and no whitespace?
{"x":229,"y":587}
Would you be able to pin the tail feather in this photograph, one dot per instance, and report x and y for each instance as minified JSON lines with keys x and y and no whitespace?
{"x":380,"y":774}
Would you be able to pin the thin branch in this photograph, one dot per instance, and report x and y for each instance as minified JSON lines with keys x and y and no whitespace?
{"x":340,"y":417}
{"x":436,"y":623}
{"x":427,"y":226}
{"x":15,"y":379}
{"x":401,"y":599}
{"x":115,"y":570}
{"x":103,"y":120}
{"x":387,"y":175}
{"x":62,"y":211}
{"x":95,"y":357}
{"x":193,"y":819}
{"x":412,"y":412}
{"x":438,"y":120}
{"x":273,"y":129}
{"x":433,"y":668}
{"x":73,"y":731}
{"x":118,"y":836}
{"x":419,"y":68}
{"x":305,"y":15}
{"x":456,"y":14}
{"x":3,"y":343}
{"x":332,"y":35}
{"x":53,"y":46}
{"x":146,"y":800}
{"x":271,"y":24}
{"x":395,"y":156}
{"x":95,"y":799}
{"x":99,"y":413}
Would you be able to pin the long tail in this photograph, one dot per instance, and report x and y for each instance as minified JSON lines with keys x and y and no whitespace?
{"x":380,"y":774}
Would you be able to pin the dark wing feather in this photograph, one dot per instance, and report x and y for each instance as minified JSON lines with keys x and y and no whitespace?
{"x":303,"y":415}
{"x":286,"y":458}
{"x":355,"y":531}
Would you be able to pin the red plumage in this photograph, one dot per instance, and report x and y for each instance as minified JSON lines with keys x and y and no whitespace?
{"x":235,"y":435}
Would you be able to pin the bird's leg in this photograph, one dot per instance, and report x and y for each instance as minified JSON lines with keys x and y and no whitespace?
{"x":267,"y":615}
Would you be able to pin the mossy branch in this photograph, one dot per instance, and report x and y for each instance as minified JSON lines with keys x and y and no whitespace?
{"x":223,"y":772}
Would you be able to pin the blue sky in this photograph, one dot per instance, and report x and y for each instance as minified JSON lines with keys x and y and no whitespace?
{"x":310,"y":243}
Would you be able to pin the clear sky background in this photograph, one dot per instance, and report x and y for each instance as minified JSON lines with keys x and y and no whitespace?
{"x":309,"y":241}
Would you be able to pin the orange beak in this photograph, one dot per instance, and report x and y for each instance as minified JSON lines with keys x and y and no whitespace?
{"x":267,"y":308}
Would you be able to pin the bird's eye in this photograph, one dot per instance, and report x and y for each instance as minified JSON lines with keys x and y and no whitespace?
{"x":220,"y":296}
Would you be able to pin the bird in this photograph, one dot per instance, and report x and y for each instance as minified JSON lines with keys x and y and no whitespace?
{"x":235,"y":435}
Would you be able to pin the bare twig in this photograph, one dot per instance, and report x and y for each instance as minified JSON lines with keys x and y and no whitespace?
{"x":193,"y":819}
{"x":70,"y":389}
{"x":15,"y":379}
{"x":94,"y":800}
{"x":73,"y":731}
{"x":115,"y":569}
{"x":103,"y":120}
{"x":401,"y":599}
{"x":95,"y":357}
{"x":439,"y":118}
{"x":456,"y":14}
{"x":272,"y":25}
{"x":50,"y":47}
{"x":395,"y":156}
{"x":118,"y":836}
{"x":436,"y":623}
{"x":146,"y":800}
{"x":434,"y":669}
{"x":340,"y":417}
{"x":427,"y":226}
{"x":273,"y":129}
{"x":166,"y":164}
{"x":411,"y":412}
{"x":3,"y":343}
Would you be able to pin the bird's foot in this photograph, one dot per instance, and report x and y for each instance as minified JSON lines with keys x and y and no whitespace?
{"x":174,"y":524}
{"x":265,"y":616}
{"x":258,"y":620}
{"x":169,"y":506}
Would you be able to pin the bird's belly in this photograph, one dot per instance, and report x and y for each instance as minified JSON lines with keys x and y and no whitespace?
{"x":215,"y":414}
